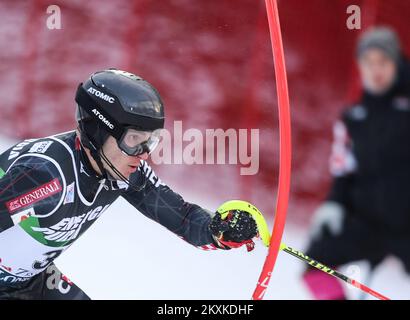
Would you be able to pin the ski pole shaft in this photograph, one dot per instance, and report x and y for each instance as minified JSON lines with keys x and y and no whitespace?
{"x":322,"y":267}
{"x":368,"y":279}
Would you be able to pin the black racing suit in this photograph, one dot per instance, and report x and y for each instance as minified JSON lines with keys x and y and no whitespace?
{"x":50,"y":195}
{"x":370,"y":163}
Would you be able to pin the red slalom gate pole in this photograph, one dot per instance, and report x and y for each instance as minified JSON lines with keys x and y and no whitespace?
{"x":285,"y":153}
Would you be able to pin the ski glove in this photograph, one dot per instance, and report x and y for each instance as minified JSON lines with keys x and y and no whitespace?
{"x":238,"y":228}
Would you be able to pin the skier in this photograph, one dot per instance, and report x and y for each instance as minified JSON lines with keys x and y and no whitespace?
{"x":366,"y":215}
{"x":53,"y":189}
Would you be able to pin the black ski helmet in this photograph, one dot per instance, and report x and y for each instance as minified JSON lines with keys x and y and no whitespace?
{"x":110,"y":101}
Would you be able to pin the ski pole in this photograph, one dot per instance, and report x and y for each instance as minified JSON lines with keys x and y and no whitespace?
{"x":322,"y":267}
{"x":369,"y":276}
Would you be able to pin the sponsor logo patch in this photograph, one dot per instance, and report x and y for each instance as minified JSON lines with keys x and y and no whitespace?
{"x":101,"y":95}
{"x":103,"y":119}
{"x":69,"y":197}
{"x":82,"y":169}
{"x":40,"y":193}
{"x":23,"y":215}
{"x":41,"y":147}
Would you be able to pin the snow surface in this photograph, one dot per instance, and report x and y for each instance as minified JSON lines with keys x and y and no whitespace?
{"x":124,"y":255}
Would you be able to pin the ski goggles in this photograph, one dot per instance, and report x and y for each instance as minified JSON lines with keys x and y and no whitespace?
{"x":135,"y":142}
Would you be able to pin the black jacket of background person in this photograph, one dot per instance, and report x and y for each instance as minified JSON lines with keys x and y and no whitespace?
{"x":371,"y":157}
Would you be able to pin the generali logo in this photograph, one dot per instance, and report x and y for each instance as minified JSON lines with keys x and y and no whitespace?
{"x":42,"y":192}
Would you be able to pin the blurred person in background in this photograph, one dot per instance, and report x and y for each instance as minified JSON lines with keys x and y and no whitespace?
{"x":366,"y":215}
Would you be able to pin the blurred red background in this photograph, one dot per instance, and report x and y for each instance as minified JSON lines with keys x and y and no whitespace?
{"x":212,"y":63}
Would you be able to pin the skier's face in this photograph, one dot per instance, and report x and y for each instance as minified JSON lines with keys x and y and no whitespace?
{"x":377,"y":70}
{"x":125,"y":164}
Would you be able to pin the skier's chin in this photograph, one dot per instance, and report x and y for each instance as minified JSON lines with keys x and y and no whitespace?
{"x":127,"y":171}
{"x":132,"y":169}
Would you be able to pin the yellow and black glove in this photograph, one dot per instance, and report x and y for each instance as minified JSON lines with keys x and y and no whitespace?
{"x":236,"y":223}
